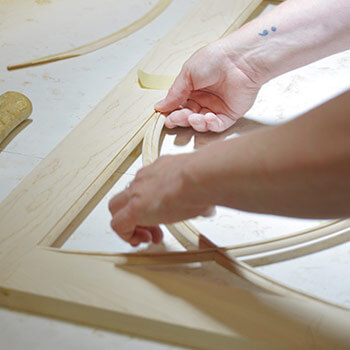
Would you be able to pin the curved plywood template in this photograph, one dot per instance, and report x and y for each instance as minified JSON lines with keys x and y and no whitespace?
{"x":100,"y":43}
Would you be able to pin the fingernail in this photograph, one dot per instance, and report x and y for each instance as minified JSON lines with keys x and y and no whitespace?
{"x":134,"y":242}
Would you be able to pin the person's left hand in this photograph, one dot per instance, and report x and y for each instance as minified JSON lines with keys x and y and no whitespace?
{"x":163,"y":192}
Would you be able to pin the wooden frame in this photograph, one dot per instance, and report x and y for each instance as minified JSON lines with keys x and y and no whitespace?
{"x":89,"y":288}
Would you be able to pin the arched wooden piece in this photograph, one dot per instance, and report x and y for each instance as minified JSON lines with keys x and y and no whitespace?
{"x":191,"y":238}
{"x":100,"y":43}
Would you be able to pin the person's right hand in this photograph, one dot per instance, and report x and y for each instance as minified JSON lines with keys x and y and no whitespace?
{"x":211,"y":92}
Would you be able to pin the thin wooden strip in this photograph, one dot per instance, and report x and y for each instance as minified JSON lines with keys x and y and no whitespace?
{"x":239,"y":267}
{"x":248,"y":273}
{"x":259,"y":279}
{"x":292,"y":239}
{"x":155,"y":258}
{"x":100,"y":43}
{"x":330,"y":241}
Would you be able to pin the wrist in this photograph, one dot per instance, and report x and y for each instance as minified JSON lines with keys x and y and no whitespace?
{"x":241,"y":56}
{"x":198,"y":178}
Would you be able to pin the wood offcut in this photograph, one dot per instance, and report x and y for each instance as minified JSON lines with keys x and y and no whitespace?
{"x":14,"y":109}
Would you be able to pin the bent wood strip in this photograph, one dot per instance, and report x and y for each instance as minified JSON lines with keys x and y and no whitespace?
{"x":189,"y":236}
{"x":132,"y":259}
{"x":202,"y":255}
{"x":259,"y":279}
{"x":330,"y":241}
{"x":100,"y":43}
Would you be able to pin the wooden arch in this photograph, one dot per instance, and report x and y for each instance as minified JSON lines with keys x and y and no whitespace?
{"x":154,"y":12}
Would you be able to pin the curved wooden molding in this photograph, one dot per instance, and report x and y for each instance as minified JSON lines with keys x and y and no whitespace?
{"x":100,"y":43}
{"x":318,"y":238}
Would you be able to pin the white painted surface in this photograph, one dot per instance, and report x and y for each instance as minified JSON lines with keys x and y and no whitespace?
{"x":64,"y":92}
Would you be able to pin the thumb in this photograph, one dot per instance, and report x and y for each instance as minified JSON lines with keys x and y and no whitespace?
{"x":177,"y":94}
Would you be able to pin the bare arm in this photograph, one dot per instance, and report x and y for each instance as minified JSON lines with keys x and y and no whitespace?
{"x":219,"y":83}
{"x":293,"y":34}
{"x":300,"y":168}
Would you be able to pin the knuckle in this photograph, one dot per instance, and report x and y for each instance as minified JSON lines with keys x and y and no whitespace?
{"x":139,"y":173}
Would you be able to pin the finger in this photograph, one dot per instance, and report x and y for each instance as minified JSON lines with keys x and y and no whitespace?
{"x":157,"y":234}
{"x":177,"y":94}
{"x":144,"y":234}
{"x":141,"y":235}
{"x":119,"y":201}
{"x":197,"y":121}
{"x":178,"y":118}
{"x":124,"y":222}
{"x":218,"y":122}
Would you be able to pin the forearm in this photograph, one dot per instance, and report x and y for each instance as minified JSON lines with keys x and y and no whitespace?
{"x":295,"y":33}
{"x":301,"y":168}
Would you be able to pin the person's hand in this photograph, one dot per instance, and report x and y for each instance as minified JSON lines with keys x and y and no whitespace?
{"x":162,"y":192}
{"x":211,"y":92}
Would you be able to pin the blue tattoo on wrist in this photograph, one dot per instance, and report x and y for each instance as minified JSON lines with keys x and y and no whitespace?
{"x":266,"y":32}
